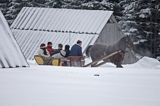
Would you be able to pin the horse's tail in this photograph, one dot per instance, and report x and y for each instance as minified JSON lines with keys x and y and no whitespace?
{"x":88,"y":50}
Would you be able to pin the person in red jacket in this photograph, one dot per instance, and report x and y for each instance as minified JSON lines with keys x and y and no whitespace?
{"x":50,"y":49}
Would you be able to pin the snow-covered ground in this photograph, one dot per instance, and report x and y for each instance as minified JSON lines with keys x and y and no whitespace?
{"x":134,"y":85}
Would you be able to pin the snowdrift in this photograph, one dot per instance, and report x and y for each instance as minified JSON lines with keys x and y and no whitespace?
{"x":146,"y":62}
{"x":134,"y":85}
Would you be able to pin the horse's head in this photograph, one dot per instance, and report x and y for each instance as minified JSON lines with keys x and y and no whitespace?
{"x":127,"y":42}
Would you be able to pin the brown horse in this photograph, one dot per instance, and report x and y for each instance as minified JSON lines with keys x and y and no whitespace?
{"x":98,"y":51}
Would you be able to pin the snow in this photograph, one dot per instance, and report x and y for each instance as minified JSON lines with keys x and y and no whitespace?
{"x":146,"y":11}
{"x":132,"y":30}
{"x":134,"y":85}
{"x":146,"y":62}
{"x":142,"y":16}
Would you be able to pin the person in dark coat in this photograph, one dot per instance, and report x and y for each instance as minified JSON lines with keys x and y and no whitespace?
{"x":67,"y":50}
{"x":60,"y":47}
{"x":76,"y":49}
{"x":76,"y":56}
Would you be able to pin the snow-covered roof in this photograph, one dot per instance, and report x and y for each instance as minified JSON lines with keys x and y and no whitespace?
{"x":30,"y":41}
{"x":10,"y":53}
{"x":62,"y":20}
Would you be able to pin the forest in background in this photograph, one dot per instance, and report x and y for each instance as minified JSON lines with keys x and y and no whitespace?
{"x":140,"y":19}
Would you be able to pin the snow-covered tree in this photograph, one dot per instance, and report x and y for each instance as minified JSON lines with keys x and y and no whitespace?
{"x":129,"y":26}
{"x":140,"y":20}
{"x":54,"y":3}
{"x":3,"y":6}
{"x":14,"y":7}
{"x":146,"y":18}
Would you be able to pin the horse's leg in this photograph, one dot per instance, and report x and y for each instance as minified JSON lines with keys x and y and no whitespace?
{"x":93,"y":59}
{"x":120,"y":59}
{"x":116,"y":59}
{"x":119,"y":65}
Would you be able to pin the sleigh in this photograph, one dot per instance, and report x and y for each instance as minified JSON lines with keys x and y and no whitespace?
{"x":69,"y":61}
{"x":40,"y":60}
{"x":72,"y":61}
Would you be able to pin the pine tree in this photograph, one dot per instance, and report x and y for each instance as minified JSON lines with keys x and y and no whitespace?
{"x":12,"y":11}
{"x":147,"y":20}
{"x":97,"y":5}
{"x":157,"y":19}
{"x":127,"y":22}
{"x":54,"y":3}
{"x":3,"y":6}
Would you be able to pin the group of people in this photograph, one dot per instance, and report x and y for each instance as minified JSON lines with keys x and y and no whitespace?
{"x":49,"y":51}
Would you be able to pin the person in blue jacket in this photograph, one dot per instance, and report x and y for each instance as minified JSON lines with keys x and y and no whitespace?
{"x":76,"y":49}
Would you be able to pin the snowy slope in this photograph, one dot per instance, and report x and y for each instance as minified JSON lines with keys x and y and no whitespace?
{"x":134,"y":85}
